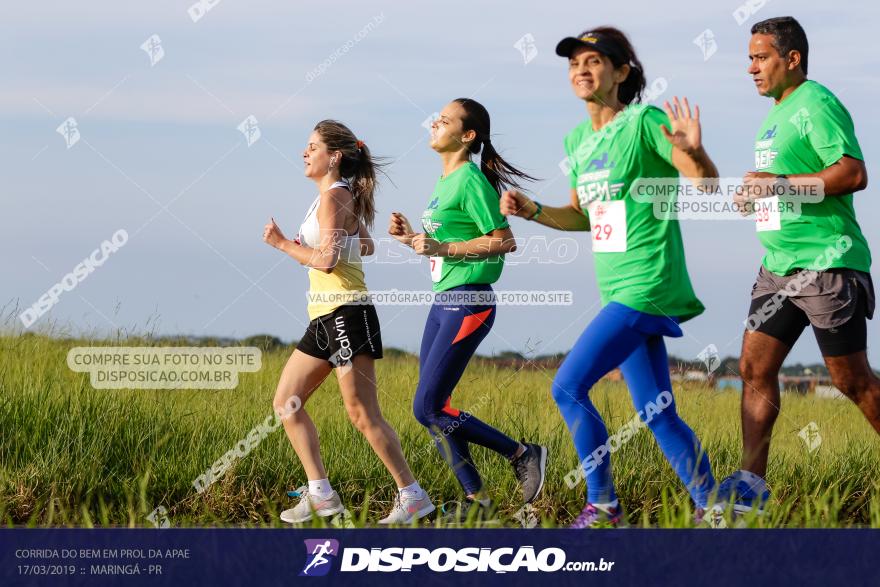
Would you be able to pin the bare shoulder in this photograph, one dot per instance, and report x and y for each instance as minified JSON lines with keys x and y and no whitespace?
{"x":338,"y":196}
{"x":338,"y":202}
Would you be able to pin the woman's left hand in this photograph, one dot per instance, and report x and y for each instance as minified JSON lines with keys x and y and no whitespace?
{"x":685,"y":134}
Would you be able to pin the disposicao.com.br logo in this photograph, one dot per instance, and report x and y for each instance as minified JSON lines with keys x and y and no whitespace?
{"x":443,"y":559}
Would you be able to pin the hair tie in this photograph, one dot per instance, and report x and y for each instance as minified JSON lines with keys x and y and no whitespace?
{"x":360,"y":144}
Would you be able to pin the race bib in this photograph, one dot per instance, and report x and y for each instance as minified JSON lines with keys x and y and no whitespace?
{"x":608,"y":226}
{"x":436,"y":268}
{"x":767,"y":214}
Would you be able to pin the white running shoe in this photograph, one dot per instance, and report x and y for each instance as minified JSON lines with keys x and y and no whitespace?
{"x":407,"y":508}
{"x":313,"y":505}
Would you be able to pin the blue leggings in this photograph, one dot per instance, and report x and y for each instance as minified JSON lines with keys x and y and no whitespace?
{"x":452,"y":334}
{"x":621,"y":336}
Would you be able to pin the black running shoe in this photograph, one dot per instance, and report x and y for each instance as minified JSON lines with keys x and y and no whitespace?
{"x":529,"y":468}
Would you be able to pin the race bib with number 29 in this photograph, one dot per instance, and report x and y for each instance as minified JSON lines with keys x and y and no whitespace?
{"x":608,"y":226}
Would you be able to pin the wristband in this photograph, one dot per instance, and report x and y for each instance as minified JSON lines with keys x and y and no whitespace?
{"x":537,"y":212}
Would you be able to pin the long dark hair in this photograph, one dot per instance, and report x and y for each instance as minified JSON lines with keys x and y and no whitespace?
{"x":356,"y":165}
{"x":630,"y":90}
{"x":499,"y":172}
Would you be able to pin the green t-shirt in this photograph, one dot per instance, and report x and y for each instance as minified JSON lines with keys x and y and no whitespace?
{"x":807,"y":132}
{"x":464,"y":206}
{"x":639,"y":258}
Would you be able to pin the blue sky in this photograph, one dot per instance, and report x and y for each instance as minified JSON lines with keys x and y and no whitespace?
{"x":166,"y":136}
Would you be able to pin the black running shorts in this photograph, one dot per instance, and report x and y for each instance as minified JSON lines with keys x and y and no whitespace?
{"x":347,"y":331}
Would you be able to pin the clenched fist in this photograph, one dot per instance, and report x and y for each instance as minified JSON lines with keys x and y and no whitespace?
{"x":425,"y":245}
{"x":516,"y":203}
{"x":399,"y":228}
{"x":272,"y":234}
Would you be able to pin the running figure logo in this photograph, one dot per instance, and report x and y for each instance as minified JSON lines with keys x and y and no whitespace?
{"x":707,"y":43}
{"x":153,"y":48}
{"x":250,"y":128}
{"x":801,"y":120}
{"x":319,"y":555}
{"x":68,"y":129}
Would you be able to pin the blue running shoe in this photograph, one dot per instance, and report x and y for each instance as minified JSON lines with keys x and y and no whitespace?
{"x":746,"y":490}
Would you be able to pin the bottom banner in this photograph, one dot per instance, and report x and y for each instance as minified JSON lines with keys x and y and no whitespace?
{"x":433,"y":557}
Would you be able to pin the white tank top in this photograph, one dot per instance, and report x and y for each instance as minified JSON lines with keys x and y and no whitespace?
{"x":345,"y":282}
{"x":310,"y":231}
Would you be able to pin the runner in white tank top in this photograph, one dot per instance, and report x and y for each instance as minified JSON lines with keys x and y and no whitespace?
{"x":342,"y":335}
{"x":345,"y":284}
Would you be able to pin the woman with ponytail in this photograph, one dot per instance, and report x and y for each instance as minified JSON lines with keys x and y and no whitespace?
{"x":639,"y":262}
{"x":466,"y":238}
{"x":343,"y":332}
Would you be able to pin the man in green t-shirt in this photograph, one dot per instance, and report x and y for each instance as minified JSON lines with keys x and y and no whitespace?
{"x":817,"y":262}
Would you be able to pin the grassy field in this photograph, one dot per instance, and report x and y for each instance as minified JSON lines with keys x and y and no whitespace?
{"x":71,"y":455}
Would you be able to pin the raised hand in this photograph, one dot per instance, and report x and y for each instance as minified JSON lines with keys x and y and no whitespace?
{"x":685,"y":134}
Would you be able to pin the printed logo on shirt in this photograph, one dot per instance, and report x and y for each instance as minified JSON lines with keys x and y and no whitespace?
{"x":596,"y":186}
{"x":601,"y":163}
{"x":428,"y":224}
{"x":764,"y":154}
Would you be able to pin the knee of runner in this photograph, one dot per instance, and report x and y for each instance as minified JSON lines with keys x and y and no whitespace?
{"x":358,"y":420}
{"x":852,"y":386}
{"x":566,"y":391}
{"x":659,"y":420}
{"x":363,"y":421}
{"x":278,"y":406}
{"x":286,"y":408}
{"x":752,"y":372}
{"x":425,"y":416}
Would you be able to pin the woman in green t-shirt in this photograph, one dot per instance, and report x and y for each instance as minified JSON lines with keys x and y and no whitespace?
{"x":639,"y":262}
{"x":466,"y":238}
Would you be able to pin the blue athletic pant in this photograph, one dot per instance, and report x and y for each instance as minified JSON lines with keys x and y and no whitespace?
{"x":452,"y":334}
{"x":621,"y":336}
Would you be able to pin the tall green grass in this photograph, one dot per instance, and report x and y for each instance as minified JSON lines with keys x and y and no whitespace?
{"x":71,"y":455}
